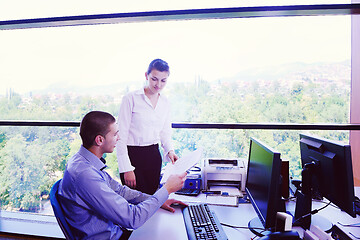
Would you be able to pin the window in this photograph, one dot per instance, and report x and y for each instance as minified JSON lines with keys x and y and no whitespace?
{"x":280,"y":69}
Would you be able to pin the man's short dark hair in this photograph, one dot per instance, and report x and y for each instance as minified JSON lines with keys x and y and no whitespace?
{"x":158,"y":64}
{"x":94,"y":123}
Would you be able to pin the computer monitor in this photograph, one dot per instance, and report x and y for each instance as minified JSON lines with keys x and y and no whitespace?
{"x":327,"y":169}
{"x":263,"y":186}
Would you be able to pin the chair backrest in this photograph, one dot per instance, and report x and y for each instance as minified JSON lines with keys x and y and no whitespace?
{"x":59,"y":214}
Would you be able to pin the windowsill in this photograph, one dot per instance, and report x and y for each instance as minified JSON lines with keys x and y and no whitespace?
{"x":30,"y":224}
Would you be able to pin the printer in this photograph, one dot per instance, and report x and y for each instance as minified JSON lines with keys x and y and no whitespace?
{"x":223,"y":172}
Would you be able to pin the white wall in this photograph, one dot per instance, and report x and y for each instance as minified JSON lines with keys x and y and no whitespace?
{"x":355,"y":94}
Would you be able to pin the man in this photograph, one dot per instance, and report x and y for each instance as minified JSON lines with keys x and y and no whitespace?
{"x":95,"y":205}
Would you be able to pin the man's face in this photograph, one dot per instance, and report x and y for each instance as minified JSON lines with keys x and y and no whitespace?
{"x":111,"y":138}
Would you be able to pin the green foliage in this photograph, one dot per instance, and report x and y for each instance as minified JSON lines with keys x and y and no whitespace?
{"x":33,"y":158}
{"x":2,"y":140}
{"x":112,"y":163}
{"x":259,"y":101}
{"x":22,"y":170}
{"x":29,"y":169}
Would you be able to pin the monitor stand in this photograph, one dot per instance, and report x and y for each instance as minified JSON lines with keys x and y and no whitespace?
{"x":257,"y":227}
{"x":303,"y":206}
{"x":322,"y":222}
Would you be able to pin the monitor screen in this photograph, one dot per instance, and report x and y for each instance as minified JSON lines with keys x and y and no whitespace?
{"x":332,"y":176}
{"x":263,"y":185}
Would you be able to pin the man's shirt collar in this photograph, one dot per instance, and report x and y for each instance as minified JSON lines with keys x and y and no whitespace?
{"x":92,"y":158}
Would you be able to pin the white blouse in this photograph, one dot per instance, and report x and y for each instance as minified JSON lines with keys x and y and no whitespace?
{"x":140,"y":124}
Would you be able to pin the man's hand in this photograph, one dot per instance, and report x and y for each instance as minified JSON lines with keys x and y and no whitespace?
{"x":173,"y":157}
{"x":167,"y":204}
{"x":175,"y":182}
{"x":130,"y":179}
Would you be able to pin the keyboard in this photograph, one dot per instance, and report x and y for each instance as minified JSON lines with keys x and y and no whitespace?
{"x":189,"y":192}
{"x":202,"y":223}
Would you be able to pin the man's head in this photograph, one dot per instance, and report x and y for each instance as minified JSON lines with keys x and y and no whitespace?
{"x":99,"y":129}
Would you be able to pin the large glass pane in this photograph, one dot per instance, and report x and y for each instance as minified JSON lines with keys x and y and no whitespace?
{"x":294,"y":69}
{"x":32,"y":159}
{"x":283,"y":70}
{"x":235,"y":143}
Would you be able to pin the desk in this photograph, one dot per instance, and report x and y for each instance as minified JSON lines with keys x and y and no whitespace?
{"x":166,"y":225}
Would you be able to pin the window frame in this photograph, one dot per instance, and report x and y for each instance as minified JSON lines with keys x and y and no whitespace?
{"x":191,"y":14}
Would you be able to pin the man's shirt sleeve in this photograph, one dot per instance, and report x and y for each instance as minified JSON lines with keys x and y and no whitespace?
{"x":102,"y":199}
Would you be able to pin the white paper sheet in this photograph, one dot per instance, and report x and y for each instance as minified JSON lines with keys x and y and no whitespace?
{"x":232,"y":191}
{"x":182,"y":164}
{"x":221,"y":200}
{"x":209,"y":199}
{"x":201,"y":198}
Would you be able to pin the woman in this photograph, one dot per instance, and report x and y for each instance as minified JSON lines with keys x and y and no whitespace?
{"x":144,"y":122}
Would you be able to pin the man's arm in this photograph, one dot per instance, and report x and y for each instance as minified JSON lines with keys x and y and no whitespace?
{"x":104,"y":201}
{"x":131,"y":195}
{"x":134,"y":196}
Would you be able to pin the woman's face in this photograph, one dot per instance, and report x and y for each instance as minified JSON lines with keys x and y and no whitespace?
{"x":156,"y":80}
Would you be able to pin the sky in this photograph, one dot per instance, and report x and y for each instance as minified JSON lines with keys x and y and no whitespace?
{"x":105,"y":54}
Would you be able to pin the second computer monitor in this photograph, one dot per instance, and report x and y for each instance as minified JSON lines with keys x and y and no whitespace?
{"x":332,"y":174}
{"x":263,"y":185}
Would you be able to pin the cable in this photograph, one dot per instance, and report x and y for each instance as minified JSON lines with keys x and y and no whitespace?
{"x":256,"y":236}
{"x":312,"y":212}
{"x":237,"y":227}
{"x":232,"y":226}
{"x":321,"y":208}
{"x":354,"y":235}
{"x":349,"y":225}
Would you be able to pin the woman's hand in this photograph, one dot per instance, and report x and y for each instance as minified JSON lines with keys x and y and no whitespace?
{"x":130,"y":179}
{"x":173,"y":157}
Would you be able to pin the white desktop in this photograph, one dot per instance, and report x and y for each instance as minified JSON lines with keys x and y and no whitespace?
{"x":326,"y":170}
{"x":166,"y":225}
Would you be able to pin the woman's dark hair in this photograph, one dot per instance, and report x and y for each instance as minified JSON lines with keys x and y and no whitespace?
{"x":94,"y":123}
{"x":159,"y":65}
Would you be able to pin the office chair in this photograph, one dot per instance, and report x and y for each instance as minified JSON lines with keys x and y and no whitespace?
{"x":59,"y":214}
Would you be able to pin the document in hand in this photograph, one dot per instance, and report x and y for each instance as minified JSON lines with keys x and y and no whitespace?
{"x":182,"y":164}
